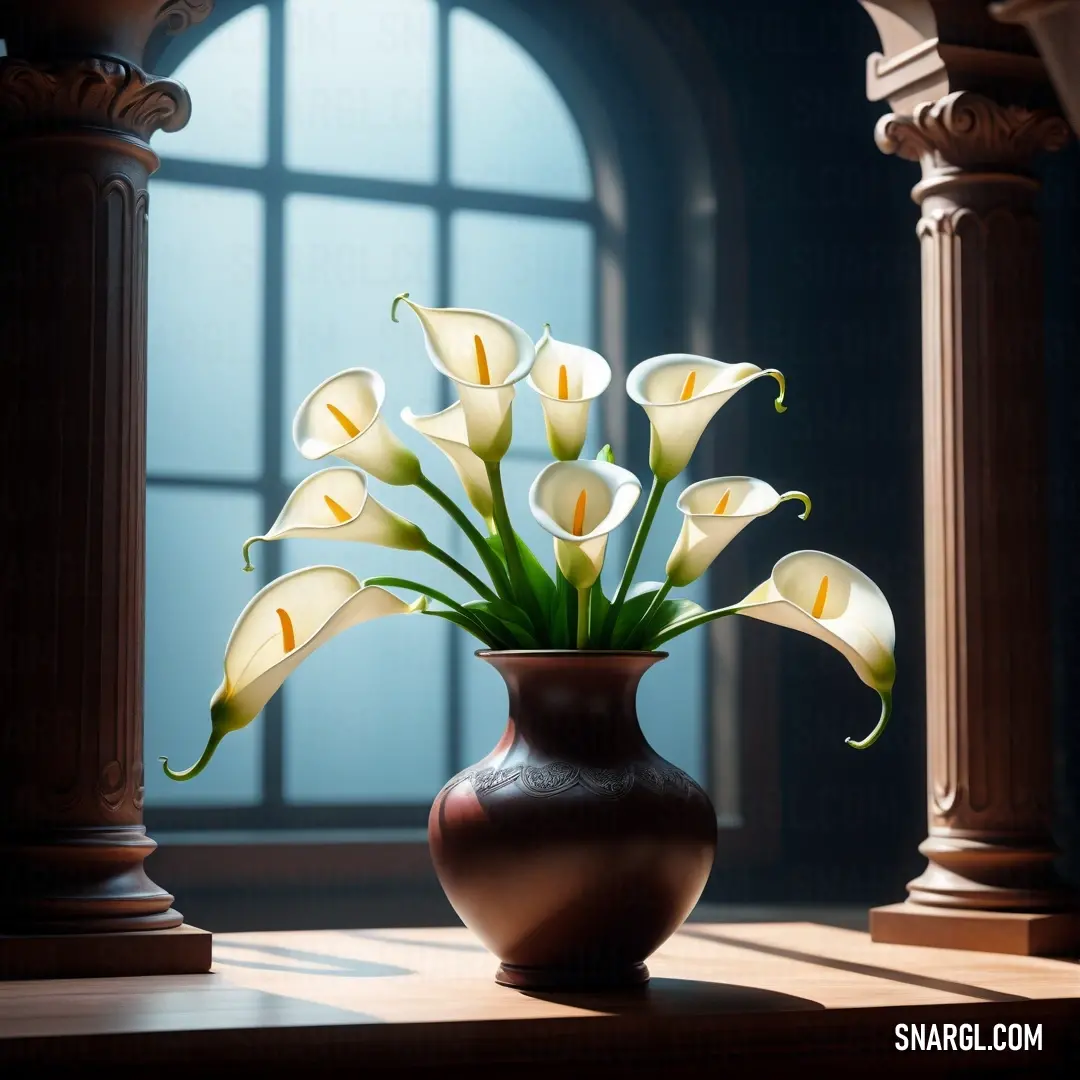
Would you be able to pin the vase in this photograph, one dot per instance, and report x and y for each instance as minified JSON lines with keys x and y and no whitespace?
{"x":572,"y":850}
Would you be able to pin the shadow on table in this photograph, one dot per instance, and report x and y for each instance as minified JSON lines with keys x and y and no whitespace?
{"x":871,"y":970}
{"x":322,"y":963}
{"x":684,"y":997}
{"x":417,"y":941}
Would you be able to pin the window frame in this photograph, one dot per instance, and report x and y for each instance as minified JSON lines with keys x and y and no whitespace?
{"x":708,"y":263}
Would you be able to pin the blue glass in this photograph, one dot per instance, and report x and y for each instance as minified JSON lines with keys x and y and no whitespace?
{"x":510,"y":130}
{"x":671,"y":701}
{"x":195,"y":590}
{"x":345,"y":261}
{"x":360,"y":83}
{"x":228,"y":79}
{"x":367,"y":715}
{"x":204,"y":383}
{"x":532,"y":271}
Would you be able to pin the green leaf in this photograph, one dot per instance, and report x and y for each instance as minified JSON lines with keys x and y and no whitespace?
{"x":644,"y":588}
{"x":465,"y":623}
{"x":539,"y":579}
{"x":672,"y":612}
{"x":505,"y":610}
{"x":504,"y":621}
{"x":606,"y":454}
{"x":634,"y":607}
{"x":562,"y":612}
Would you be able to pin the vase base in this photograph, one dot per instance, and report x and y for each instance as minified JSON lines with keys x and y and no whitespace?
{"x":545,"y":978}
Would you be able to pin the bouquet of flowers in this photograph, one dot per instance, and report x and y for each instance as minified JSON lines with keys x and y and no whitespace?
{"x":579,"y":502}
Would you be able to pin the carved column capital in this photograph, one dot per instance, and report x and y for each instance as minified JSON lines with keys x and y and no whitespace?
{"x":91,"y":92}
{"x":964,"y":131}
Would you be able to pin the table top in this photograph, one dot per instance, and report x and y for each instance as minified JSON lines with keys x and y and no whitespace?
{"x":415,"y":998}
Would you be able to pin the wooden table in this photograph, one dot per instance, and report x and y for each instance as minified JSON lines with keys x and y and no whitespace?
{"x":724,"y":1000}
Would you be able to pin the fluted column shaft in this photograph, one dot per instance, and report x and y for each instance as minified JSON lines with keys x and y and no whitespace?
{"x":74,"y":164}
{"x":988,"y":676}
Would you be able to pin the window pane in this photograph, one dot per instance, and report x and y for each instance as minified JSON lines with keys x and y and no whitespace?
{"x":195,"y":590}
{"x":367,"y":715}
{"x":510,"y":128}
{"x":345,"y":262}
{"x":360,"y":87}
{"x":532,"y":271}
{"x":671,"y":701}
{"x":205,"y":335}
{"x":227,"y":79}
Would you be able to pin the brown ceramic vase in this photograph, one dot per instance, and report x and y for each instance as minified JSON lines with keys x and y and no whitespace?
{"x":573,"y":850}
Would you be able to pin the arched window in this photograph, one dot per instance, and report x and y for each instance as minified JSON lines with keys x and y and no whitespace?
{"x":340,"y":152}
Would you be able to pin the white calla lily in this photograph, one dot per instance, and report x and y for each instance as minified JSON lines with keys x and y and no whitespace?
{"x":837,"y":603}
{"x":714,"y":513}
{"x":580,"y":503}
{"x":681,"y":393}
{"x":342,"y":417}
{"x":567,"y":378}
{"x":447,"y":431}
{"x":485,"y":355}
{"x":282,"y":625}
{"x":334,"y":504}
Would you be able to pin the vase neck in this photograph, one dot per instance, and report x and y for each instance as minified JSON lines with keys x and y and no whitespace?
{"x":567,"y":703}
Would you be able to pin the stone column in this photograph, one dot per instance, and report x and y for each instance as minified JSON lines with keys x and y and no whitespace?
{"x":990,"y":882}
{"x":76,"y":115}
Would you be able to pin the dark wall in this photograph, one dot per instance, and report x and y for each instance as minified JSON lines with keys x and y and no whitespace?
{"x":833,"y":300}
{"x":1061,"y":210}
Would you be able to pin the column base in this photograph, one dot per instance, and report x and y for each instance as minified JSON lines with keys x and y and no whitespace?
{"x":81,"y":880}
{"x":185,"y":950}
{"x":991,"y":873}
{"x":1013,"y":932}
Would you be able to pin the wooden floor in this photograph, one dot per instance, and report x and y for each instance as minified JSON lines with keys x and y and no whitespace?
{"x":724,"y":998}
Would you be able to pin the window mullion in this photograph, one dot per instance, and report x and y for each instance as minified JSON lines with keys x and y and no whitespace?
{"x":454,"y":645}
{"x":274,"y":487}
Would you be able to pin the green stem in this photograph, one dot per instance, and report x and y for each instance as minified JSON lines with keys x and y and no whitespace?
{"x":194,"y":770}
{"x":416,"y":586}
{"x":462,"y":572}
{"x":475,"y":627}
{"x":886,"y":712}
{"x":641,"y":632}
{"x":491,"y":561}
{"x":693,"y":622}
{"x":583,"y":606}
{"x":523,"y":592}
{"x":470,"y":626}
{"x":656,"y":493}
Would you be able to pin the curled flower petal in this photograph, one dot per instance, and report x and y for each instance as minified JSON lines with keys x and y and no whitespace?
{"x":567,"y":378}
{"x":714,"y":513}
{"x":334,"y":504}
{"x":342,"y":417}
{"x":282,"y":625}
{"x":681,"y":393}
{"x":580,"y":503}
{"x":485,"y":355}
{"x":447,"y":431}
{"x":821,"y":595}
